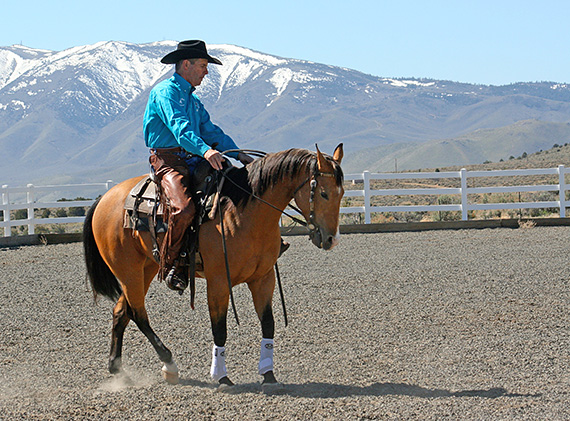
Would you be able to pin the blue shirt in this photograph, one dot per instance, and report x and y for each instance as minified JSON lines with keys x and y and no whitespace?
{"x":174,"y":116}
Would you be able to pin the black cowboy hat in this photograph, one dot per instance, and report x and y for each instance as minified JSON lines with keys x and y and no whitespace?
{"x":189,"y":49}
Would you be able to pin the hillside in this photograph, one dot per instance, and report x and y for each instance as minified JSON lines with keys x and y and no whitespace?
{"x":472,"y":148}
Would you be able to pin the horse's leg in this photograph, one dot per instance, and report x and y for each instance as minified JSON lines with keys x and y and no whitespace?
{"x":169,"y":370}
{"x":218,"y":300}
{"x":262,"y":294}
{"x":135,"y":280}
{"x":120,"y":322}
{"x":139,"y":315}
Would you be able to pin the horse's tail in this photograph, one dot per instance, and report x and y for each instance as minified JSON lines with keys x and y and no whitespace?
{"x":102,"y":280}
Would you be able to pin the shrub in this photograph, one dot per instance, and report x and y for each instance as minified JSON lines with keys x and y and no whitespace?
{"x":76,"y":211}
{"x":61,"y":213}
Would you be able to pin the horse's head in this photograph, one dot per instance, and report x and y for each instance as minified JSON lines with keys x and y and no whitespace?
{"x":319,"y":199}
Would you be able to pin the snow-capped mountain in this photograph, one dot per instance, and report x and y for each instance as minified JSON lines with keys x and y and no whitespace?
{"x":76,"y":115}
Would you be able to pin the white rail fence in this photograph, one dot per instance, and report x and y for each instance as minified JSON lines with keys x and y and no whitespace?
{"x":28,"y":195}
{"x":463,"y":191}
{"x":17,"y":198}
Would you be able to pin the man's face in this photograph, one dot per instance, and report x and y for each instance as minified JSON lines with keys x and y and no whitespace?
{"x":195,"y":72}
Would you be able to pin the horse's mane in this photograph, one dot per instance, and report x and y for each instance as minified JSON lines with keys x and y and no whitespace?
{"x":265,"y":173}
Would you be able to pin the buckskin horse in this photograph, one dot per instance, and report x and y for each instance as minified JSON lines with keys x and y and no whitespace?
{"x":121,"y":266}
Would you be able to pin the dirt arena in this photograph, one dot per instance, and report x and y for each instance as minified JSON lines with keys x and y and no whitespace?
{"x":467,"y":324}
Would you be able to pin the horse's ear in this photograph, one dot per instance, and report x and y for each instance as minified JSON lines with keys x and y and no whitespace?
{"x":323,"y":164}
{"x":338,"y":153}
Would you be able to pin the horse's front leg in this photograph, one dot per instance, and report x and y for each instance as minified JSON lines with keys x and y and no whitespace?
{"x":262,"y":294}
{"x":218,"y":300}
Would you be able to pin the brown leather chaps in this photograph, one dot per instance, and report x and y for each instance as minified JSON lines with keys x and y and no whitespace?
{"x":173,"y":174}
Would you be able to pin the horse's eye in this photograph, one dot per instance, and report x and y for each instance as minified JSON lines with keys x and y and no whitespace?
{"x":324,"y":195}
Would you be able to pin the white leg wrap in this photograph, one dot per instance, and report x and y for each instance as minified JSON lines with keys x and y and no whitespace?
{"x":266,"y":356}
{"x":218,"y":369}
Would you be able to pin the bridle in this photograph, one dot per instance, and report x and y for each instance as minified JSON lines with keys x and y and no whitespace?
{"x":310,"y":224}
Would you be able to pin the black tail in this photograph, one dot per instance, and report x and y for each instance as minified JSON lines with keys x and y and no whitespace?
{"x":103,"y":282}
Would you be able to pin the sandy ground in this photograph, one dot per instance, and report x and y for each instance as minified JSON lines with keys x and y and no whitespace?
{"x":468,"y":324}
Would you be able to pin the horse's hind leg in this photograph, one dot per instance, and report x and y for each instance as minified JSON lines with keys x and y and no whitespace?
{"x":121,"y":316}
{"x":120,"y":322}
{"x":262,"y":294}
{"x":140,"y":317}
{"x":137,"y":279}
{"x":169,"y":370}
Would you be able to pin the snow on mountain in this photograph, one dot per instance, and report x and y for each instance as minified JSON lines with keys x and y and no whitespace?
{"x":101,"y":78}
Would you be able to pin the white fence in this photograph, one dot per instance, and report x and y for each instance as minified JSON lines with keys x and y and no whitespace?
{"x":16,"y":198}
{"x":31,"y":192}
{"x":463,"y":191}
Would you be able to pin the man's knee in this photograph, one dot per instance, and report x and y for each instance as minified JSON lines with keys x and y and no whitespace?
{"x":186,"y":212}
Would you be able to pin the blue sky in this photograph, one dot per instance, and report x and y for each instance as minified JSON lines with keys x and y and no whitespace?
{"x":487,"y":42}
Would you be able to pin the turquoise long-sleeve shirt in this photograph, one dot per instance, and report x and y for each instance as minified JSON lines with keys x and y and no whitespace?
{"x":175,"y":116}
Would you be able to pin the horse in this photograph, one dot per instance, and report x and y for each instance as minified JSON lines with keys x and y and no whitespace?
{"x":121,"y":265}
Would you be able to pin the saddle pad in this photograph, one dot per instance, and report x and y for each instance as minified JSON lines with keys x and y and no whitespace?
{"x":145,"y":192}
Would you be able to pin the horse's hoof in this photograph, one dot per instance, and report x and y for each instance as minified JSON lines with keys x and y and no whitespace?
{"x":269,"y":378}
{"x":225,"y":385}
{"x":170,"y":373}
{"x":115,"y":366}
{"x":225,"y":381}
{"x":270,"y":384}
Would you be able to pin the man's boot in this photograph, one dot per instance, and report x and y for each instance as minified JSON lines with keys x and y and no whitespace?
{"x":176,"y":278}
{"x":284,"y":246}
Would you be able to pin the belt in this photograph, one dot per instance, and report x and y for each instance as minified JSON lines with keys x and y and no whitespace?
{"x":159,"y":151}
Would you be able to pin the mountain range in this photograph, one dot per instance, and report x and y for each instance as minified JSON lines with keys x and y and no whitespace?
{"x":76,"y":115}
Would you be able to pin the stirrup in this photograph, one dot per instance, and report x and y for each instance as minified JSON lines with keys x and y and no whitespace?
{"x":174,"y":281}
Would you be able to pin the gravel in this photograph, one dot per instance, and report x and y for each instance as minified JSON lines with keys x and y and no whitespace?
{"x":467,"y":324}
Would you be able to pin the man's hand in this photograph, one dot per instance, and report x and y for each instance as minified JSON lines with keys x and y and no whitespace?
{"x":214,"y":158}
{"x":244,"y":158}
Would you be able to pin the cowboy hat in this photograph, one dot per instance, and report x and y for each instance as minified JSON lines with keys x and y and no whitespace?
{"x":189,"y":49}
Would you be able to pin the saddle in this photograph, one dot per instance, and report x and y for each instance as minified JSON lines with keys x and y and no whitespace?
{"x":144,"y":211}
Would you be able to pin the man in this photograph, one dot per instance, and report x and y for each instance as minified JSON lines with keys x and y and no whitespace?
{"x":176,"y":124}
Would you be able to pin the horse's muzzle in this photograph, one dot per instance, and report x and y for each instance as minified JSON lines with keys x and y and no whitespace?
{"x":324,"y":241}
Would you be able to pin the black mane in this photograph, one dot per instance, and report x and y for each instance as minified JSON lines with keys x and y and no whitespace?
{"x":264,"y":173}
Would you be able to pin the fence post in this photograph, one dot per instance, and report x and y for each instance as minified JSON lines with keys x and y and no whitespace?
{"x":366,"y":178}
{"x":562,"y":191}
{"x":464,"y":214}
{"x":109,"y":184}
{"x":30,"y":200}
{"x":6,"y":202}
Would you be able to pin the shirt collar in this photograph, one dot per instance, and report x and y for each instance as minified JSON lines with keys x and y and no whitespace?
{"x":184,"y":84}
